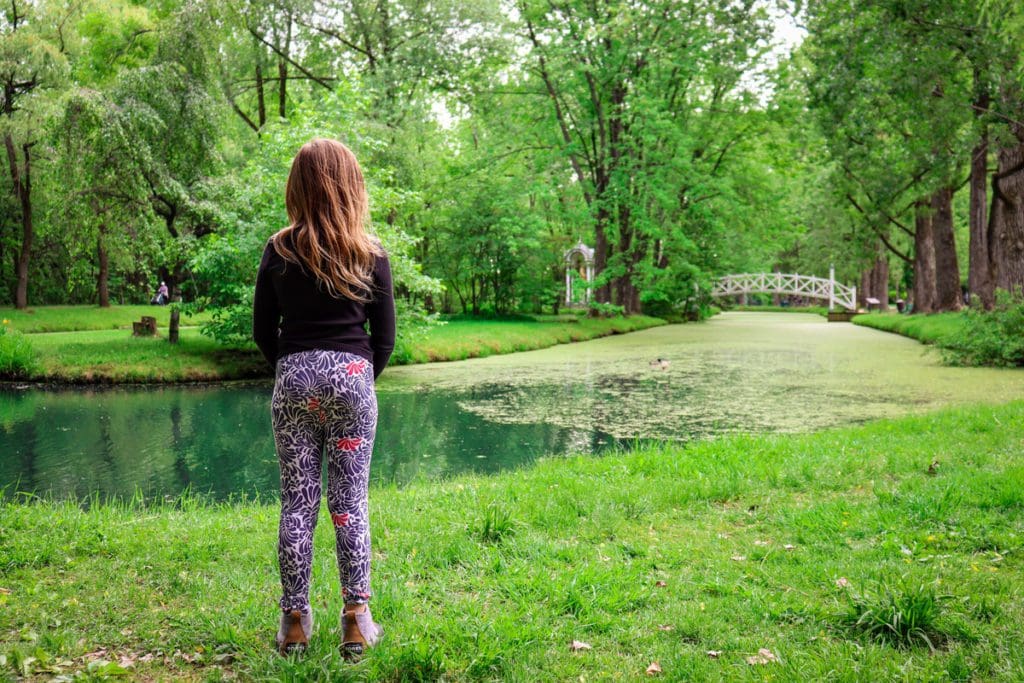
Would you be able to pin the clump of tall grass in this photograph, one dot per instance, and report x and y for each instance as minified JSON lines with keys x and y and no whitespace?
{"x":495,"y":524}
{"x":17,"y":357}
{"x":902,"y":613}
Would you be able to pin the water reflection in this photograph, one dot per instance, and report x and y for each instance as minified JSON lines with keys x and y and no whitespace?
{"x":217,"y":440}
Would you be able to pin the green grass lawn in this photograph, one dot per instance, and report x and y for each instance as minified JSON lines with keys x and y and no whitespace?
{"x":117,"y":356}
{"x":467,"y":338}
{"x":98,"y":353}
{"x":694,"y":557}
{"x":70,"y":318}
{"x":935,"y":328}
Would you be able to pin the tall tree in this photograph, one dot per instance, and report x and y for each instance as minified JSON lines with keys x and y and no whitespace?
{"x":641,"y":96}
{"x":34,"y":41}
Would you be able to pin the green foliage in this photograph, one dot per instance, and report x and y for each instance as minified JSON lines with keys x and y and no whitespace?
{"x":225,"y":269}
{"x":905,"y":612}
{"x":17,"y":357}
{"x":993,"y":337}
{"x":597,"y":309}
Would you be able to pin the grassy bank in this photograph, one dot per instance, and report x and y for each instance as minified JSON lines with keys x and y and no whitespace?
{"x":817,"y":310}
{"x":692,"y":557}
{"x":936,"y":328}
{"x":101,"y":354}
{"x":466,"y":338}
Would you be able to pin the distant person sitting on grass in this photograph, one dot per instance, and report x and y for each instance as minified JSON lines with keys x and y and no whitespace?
{"x":321,"y":279}
{"x":162,"y":295}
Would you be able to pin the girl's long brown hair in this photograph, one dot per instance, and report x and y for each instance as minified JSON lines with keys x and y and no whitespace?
{"x":328,"y":209}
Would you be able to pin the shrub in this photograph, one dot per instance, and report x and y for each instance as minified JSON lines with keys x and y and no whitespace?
{"x":601,"y":310}
{"x":17,"y":357}
{"x":993,"y":337}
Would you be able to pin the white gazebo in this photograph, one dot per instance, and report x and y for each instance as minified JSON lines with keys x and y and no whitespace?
{"x":581,"y":259}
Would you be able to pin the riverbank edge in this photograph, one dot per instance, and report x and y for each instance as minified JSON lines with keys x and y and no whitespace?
{"x":247,"y":364}
{"x":937,"y":329}
{"x":662,"y":554}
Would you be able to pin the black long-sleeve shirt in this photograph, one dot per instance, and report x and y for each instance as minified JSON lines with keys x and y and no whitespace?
{"x":292,"y":312}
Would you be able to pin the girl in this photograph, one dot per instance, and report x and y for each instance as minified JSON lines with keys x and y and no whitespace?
{"x":321,"y":280}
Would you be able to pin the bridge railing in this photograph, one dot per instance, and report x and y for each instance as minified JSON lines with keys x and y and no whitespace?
{"x":793,"y":284}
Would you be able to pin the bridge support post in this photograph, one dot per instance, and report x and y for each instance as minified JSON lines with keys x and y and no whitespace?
{"x":831,"y":287}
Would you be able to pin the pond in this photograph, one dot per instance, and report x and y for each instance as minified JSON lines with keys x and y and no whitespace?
{"x":739,"y":372}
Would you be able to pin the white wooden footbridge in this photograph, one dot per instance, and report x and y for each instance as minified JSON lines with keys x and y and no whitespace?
{"x":809,"y":286}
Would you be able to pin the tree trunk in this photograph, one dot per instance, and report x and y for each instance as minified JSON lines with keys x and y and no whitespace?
{"x":979,"y":269}
{"x":880,"y":281}
{"x":261,"y":102}
{"x":282,"y":87}
{"x":172,"y":329}
{"x":924,"y":261}
{"x":1006,"y":227}
{"x":947,"y":271}
{"x":282,"y":74}
{"x":104,"y":273}
{"x":601,"y":294}
{"x":864,"y":291}
{"x":21,"y":181}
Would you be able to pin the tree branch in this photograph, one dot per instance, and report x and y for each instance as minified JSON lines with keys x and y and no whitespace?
{"x":288,"y":59}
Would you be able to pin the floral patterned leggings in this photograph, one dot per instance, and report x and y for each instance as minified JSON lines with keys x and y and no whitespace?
{"x":324,"y":402}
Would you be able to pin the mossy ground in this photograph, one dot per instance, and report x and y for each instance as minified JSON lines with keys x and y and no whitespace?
{"x":663,"y":554}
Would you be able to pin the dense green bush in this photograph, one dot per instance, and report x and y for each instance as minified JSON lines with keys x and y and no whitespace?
{"x":17,"y":357}
{"x":993,"y":337}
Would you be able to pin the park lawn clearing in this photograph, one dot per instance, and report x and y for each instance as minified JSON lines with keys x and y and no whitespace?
{"x":778,"y":557}
{"x":77,"y":318}
{"x":935,"y":328}
{"x":115,"y":356}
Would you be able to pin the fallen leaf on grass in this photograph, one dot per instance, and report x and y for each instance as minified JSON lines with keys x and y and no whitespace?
{"x":762,"y":543}
{"x":5,"y":591}
{"x":660,"y":584}
{"x":738,"y":558}
{"x":654,"y":669}
{"x":714,"y":654}
{"x":763,"y":656}
{"x":578,"y":645}
{"x":789,"y":546}
{"x":665,"y":627}
{"x":843,"y":582}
